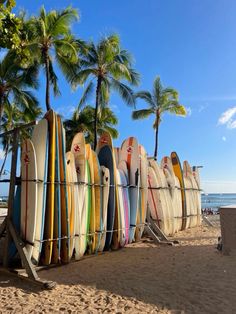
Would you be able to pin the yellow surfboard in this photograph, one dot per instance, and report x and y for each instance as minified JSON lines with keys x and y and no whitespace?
{"x":179,"y":174}
{"x":49,"y":214}
{"x":98,"y":200}
{"x":92,"y":229}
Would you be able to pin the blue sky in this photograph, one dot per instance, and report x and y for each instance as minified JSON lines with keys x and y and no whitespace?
{"x":192,"y":46}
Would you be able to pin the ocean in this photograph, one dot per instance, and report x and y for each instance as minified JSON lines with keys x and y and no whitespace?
{"x":211,"y":200}
{"x":214,"y":201}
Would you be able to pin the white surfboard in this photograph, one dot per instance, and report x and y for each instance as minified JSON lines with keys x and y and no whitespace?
{"x":28,"y":194}
{"x":188,"y":172}
{"x":78,"y":149}
{"x":165,"y":197}
{"x":40,"y":142}
{"x":130,"y":154}
{"x":105,"y":179}
{"x":73,"y":207}
{"x":122,"y":226}
{"x":175,"y":192}
{"x":196,"y":176}
{"x":156,"y":206}
{"x":143,"y":193}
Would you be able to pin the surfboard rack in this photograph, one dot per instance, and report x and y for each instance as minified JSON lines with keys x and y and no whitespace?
{"x":7,"y":228}
{"x":207,"y":221}
{"x":153,"y":230}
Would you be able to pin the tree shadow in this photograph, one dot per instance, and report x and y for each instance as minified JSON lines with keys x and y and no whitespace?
{"x":181,"y":278}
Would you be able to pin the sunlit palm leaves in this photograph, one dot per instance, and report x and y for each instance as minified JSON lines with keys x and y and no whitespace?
{"x":106,"y":66}
{"x":161,"y":100}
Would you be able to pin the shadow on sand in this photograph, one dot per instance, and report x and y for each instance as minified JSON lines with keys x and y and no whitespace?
{"x":177,"y":278}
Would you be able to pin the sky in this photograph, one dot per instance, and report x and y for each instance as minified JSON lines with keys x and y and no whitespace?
{"x":191,"y":44}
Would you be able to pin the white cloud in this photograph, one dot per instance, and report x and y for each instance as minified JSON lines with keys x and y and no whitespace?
{"x":66,"y":111}
{"x":231,"y":124}
{"x":2,"y":154}
{"x":203,"y":107}
{"x":227,"y":118}
{"x":189,"y":111}
{"x":224,"y":138}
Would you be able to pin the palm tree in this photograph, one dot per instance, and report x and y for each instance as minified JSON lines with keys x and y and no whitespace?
{"x":161,"y":100}
{"x":83,"y":121}
{"x":50,"y":39}
{"x":14,"y":82}
{"x":109,"y":66}
{"x":14,"y":116}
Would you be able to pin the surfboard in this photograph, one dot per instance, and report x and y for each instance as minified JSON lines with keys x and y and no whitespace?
{"x":98,"y":200}
{"x":189,"y":205}
{"x":88,"y":205}
{"x":179,"y":174}
{"x":105,"y":158}
{"x":105,"y":179}
{"x":16,"y":219}
{"x":125,"y":182}
{"x":116,"y":155}
{"x":197,"y":179}
{"x":164,"y":194}
{"x":130,"y":154}
{"x":81,"y":218}
{"x":106,"y":140}
{"x":46,"y":253}
{"x":28,"y":194}
{"x":143,"y":193}
{"x":194,"y":197}
{"x":92,"y":229}
{"x":122,"y":207}
{"x":72,"y":191}
{"x":65,"y":227}
{"x":56,"y":249}
{"x":40,"y":141}
{"x":175,"y":191}
{"x":154,"y":200}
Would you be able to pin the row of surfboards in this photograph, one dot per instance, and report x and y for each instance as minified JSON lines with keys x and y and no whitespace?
{"x":86,"y":201}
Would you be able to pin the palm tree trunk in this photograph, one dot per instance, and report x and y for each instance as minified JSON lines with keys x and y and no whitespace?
{"x":1,"y":110}
{"x":98,"y":90}
{"x":4,"y":161}
{"x":48,"y":106}
{"x":156,"y":136}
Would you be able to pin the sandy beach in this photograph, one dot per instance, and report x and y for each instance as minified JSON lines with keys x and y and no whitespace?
{"x":192,"y":277}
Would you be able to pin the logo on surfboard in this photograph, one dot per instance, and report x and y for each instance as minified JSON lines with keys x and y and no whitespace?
{"x":26,"y":159}
{"x":78,"y":170}
{"x":130,"y":150}
{"x":104,"y":140}
{"x":76,"y":148}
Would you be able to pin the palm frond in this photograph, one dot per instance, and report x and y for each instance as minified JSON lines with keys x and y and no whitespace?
{"x":53,"y":79}
{"x":86,"y":94}
{"x":142,"y":114}
{"x":145,"y":95}
{"x":125,"y":91}
{"x":82,"y":76}
{"x":60,"y":21}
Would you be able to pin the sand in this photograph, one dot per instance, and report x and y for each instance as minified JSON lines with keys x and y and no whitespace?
{"x":192,"y":277}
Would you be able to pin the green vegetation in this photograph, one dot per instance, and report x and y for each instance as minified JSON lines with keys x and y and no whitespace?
{"x":109,"y":65}
{"x":15,"y":84}
{"x":161,"y":100}
{"x":46,"y":42}
{"x":14,"y":117}
{"x":50,"y":39}
{"x":83,"y":121}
